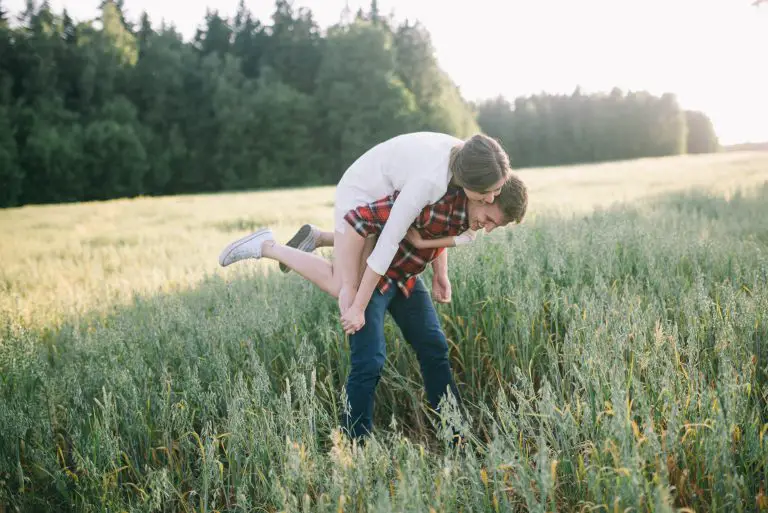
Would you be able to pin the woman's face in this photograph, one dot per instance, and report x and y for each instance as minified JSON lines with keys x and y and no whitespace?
{"x":486,"y":196}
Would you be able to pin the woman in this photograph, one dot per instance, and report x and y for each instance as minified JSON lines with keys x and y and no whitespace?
{"x":421,"y":166}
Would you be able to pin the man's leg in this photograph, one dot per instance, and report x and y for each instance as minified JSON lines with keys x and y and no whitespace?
{"x":367,"y":356}
{"x":417,"y":319}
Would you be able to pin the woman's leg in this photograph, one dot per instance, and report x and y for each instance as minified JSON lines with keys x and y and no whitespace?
{"x":368,"y":246}
{"x":308,"y":238}
{"x":329,"y":276}
{"x":347,"y":252}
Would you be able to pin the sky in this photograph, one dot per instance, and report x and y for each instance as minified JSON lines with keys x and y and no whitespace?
{"x":710,"y":53}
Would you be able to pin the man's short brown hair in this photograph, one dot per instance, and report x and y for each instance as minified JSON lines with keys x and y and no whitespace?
{"x":513,"y":199}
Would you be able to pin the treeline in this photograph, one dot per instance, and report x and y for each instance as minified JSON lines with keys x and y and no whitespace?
{"x":105,"y":108}
{"x":749,"y":146}
{"x":550,"y":130}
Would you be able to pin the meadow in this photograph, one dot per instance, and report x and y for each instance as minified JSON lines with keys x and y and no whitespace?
{"x":609,"y":349}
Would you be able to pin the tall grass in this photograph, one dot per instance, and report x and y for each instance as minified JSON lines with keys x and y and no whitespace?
{"x":610,"y":361}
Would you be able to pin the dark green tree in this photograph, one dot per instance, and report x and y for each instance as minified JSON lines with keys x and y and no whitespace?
{"x":441,"y":107}
{"x":217,"y":35}
{"x":250,"y":42}
{"x":361,"y":99}
{"x":294,"y":48}
{"x":11,"y":173}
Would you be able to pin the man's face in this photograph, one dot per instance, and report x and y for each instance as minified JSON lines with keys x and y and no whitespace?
{"x":485,"y":215}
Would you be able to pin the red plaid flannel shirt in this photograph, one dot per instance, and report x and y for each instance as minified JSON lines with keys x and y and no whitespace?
{"x":446,"y":217}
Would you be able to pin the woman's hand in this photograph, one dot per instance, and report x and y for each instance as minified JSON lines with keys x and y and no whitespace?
{"x":353,"y":319}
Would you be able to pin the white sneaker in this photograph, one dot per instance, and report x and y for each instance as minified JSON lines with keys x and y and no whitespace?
{"x":304,"y":240}
{"x":247,"y":247}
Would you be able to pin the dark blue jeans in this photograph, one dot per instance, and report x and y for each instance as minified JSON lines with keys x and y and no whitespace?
{"x":417,"y":319}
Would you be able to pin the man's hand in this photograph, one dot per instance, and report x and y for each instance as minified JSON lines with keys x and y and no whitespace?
{"x":441,"y":288}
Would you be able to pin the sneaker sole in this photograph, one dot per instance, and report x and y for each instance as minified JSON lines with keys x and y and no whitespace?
{"x":301,"y":241}
{"x":233,"y":246}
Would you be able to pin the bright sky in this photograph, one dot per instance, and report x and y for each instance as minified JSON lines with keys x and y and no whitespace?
{"x":710,"y":53}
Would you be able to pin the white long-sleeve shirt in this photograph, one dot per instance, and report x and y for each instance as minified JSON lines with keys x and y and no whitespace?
{"x":415,"y":164}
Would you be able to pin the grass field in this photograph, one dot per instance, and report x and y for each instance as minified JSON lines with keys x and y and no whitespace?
{"x":609,"y":349}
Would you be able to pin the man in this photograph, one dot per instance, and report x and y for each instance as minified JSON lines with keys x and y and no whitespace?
{"x":400,"y":291}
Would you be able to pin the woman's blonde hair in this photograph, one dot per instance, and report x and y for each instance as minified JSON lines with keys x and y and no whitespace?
{"x":479,"y":163}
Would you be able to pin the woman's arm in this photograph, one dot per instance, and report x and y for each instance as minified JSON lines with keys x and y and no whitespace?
{"x":414,"y":237}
